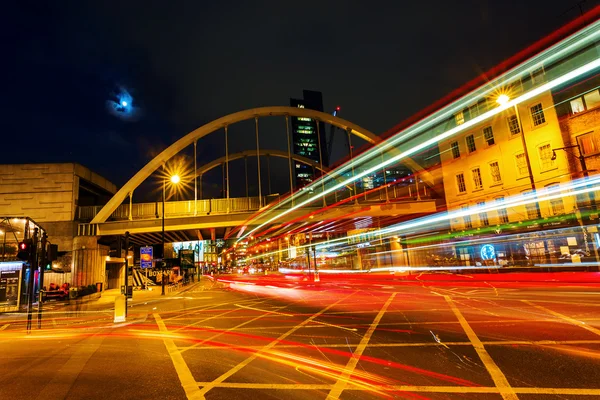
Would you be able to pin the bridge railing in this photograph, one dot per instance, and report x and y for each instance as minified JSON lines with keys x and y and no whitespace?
{"x":174,"y":209}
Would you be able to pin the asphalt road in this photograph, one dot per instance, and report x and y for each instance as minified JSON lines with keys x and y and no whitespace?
{"x":280,"y":337}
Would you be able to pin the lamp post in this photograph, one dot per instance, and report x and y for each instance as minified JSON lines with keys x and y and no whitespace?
{"x":502,"y":100}
{"x":175,"y":179}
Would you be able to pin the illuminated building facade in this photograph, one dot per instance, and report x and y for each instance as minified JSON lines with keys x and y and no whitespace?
{"x":306,"y":133}
{"x":492,"y":161}
{"x":578,"y":109}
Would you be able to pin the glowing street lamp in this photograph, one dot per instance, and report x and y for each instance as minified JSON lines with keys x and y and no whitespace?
{"x":502,"y":99}
{"x":175,"y":179}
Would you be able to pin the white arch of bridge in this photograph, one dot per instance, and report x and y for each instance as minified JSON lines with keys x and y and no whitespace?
{"x":227,"y":120}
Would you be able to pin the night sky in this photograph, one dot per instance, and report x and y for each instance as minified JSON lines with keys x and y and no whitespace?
{"x":185,"y":63}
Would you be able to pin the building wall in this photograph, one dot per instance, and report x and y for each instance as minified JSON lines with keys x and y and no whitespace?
{"x":504,"y":151}
{"x":43,"y":192}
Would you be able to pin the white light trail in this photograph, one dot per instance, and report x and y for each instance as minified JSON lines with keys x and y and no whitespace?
{"x":489,"y":114}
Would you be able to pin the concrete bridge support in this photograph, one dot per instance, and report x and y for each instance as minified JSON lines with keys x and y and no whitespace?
{"x":89,"y":261}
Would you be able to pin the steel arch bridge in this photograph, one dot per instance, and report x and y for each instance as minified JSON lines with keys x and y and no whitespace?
{"x":223,"y":123}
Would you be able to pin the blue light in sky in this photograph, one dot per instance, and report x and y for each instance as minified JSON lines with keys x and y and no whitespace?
{"x":121,"y":105}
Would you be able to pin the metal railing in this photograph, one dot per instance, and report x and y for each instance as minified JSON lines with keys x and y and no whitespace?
{"x":174,"y":209}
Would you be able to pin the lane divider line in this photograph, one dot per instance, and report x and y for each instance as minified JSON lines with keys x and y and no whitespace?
{"x":343,"y":379}
{"x":186,"y":378}
{"x":409,"y":388}
{"x":570,"y":320}
{"x":497,"y":375}
{"x":210,"y":339}
{"x":210,"y":385}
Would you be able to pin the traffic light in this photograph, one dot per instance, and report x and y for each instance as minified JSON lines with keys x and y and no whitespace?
{"x":52,"y":254}
{"x":25,"y":248}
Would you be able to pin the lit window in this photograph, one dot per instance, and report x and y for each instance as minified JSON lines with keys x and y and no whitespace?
{"x":546,"y":157}
{"x":477,"y":183}
{"x":592,"y":99}
{"x":474,"y":111}
{"x":537,"y":114}
{"x":532,"y":209}
{"x":522,"y":164}
{"x":455,"y":150}
{"x":460,"y":183}
{"x":471,"y":144}
{"x":483,"y":215}
{"x":488,"y":134}
{"x":556,"y":205}
{"x":459,"y":118}
{"x":467,"y":218}
{"x":502,"y":214}
{"x":577,"y":105}
{"x":588,"y":144}
{"x":495,"y":172}
{"x":513,"y":125}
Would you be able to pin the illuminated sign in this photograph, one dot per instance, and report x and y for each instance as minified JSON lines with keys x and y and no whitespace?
{"x":487,"y":252}
{"x":146,"y":257}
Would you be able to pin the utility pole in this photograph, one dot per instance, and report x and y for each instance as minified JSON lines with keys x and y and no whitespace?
{"x":41,"y":278}
{"x":30,"y":284}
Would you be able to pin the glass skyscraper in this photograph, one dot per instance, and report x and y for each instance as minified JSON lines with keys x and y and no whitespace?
{"x":306,"y":138}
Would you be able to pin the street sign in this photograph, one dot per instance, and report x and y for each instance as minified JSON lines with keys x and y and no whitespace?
{"x":146,"y":257}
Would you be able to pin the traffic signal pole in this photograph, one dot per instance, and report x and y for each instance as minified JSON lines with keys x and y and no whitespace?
{"x":30,"y":285}
{"x":42,"y":264}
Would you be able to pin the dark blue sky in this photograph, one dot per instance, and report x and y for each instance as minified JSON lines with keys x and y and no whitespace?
{"x":188,"y":62}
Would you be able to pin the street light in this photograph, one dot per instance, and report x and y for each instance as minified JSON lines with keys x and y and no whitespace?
{"x":502,"y":100}
{"x":175,"y":179}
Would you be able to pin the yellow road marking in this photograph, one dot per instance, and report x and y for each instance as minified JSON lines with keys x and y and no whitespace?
{"x":495,"y":372}
{"x":408,"y":388}
{"x":227,"y":330}
{"x":565,"y":318}
{"x":342,"y":381}
{"x":183,"y":371}
{"x":424,"y":344}
{"x":3,"y":327}
{"x":209,"y":385}
{"x":264,"y":311}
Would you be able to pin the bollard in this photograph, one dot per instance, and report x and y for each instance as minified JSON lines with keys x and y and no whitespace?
{"x":120,"y":308}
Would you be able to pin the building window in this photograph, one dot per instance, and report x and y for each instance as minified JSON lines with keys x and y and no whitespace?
{"x":477,"y":183}
{"x":488,"y":134}
{"x":502,"y":213}
{"x":556,"y":205}
{"x":577,"y":105}
{"x":586,"y":102}
{"x":588,"y":144}
{"x":495,"y":172}
{"x":459,"y":118}
{"x":546,"y":157}
{"x":531,"y":208}
{"x":592,"y":99}
{"x":455,"y":149}
{"x":483,"y":215}
{"x":467,"y":219}
{"x":460,"y":183}
{"x":513,"y":125}
{"x":473,"y":111}
{"x":537,"y":76}
{"x":522,"y":165}
{"x":471,"y":144}
{"x":537,"y":114}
